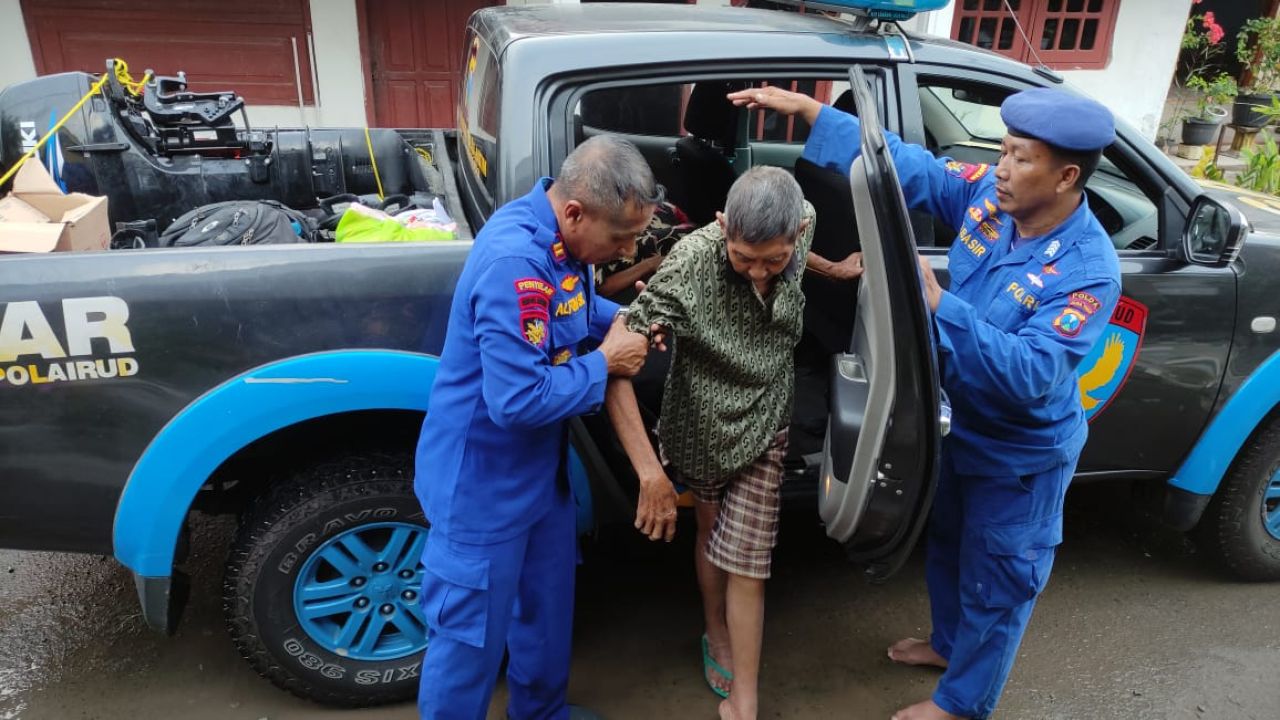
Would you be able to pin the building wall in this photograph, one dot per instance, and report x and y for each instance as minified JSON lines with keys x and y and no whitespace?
{"x":338,"y":69}
{"x":1148,"y":37}
{"x":16,"y":63}
{"x":1144,"y":51}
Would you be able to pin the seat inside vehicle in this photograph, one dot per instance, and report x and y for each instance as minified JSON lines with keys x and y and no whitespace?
{"x":704,"y":156}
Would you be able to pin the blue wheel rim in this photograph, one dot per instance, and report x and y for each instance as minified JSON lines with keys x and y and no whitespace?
{"x":357,"y":594}
{"x":1271,"y":506}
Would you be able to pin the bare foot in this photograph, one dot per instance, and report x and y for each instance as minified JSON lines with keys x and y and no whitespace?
{"x":923,"y":711}
{"x":914,"y":651}
{"x":721,"y":654}
{"x":729,"y":712}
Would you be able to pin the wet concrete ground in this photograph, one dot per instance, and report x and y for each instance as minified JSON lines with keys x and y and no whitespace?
{"x":1135,"y":624}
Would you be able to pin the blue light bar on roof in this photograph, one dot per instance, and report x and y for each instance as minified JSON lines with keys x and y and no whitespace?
{"x":882,"y":9}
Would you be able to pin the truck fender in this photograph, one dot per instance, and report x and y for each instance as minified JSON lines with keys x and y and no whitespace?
{"x":1202,"y":471}
{"x":179,"y":460}
{"x":196,"y":441}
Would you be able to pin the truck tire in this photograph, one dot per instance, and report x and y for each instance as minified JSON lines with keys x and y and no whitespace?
{"x":321,"y":587}
{"x":1243,"y":520}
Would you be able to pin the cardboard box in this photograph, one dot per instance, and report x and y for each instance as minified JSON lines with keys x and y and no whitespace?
{"x":70,"y":222}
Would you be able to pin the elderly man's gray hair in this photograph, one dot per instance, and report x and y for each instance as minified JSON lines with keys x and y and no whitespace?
{"x":605,"y":173}
{"x":764,"y":203}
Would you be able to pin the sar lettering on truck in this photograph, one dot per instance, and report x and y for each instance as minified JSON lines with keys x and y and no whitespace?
{"x":93,"y":342}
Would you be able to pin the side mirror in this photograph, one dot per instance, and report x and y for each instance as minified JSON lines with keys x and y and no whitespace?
{"x":1215,"y":232}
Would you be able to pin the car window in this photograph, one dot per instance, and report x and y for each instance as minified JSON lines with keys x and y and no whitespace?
{"x":481,"y":96}
{"x":652,"y":110}
{"x":962,"y":122}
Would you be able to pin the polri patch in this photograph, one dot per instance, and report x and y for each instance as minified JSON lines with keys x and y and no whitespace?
{"x":1069,"y":322}
{"x":1085,"y":303}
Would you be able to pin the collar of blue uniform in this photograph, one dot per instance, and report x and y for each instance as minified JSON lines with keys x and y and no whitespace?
{"x":1055,"y":243}
{"x":546,"y":217}
{"x":1060,"y":239}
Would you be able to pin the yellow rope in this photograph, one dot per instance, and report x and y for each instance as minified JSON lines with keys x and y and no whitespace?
{"x":126,"y":80}
{"x":122,"y":74}
{"x":376,"y":178}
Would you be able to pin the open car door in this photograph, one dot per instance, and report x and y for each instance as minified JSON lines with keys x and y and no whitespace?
{"x":880,"y":461}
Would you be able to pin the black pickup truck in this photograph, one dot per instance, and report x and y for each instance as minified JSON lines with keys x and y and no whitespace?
{"x":287,"y":383}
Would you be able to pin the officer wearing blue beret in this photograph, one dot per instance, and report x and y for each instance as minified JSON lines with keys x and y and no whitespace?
{"x":1034,"y":280}
{"x":499,"y":561}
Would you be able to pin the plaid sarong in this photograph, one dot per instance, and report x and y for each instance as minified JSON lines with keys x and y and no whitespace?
{"x":746,"y":528}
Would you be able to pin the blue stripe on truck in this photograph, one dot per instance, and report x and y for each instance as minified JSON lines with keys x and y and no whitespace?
{"x":211,"y":429}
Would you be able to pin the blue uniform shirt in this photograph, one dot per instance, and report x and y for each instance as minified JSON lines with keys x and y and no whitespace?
{"x":492,"y":446}
{"x":1014,"y":323}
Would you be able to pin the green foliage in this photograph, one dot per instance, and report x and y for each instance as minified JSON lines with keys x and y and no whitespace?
{"x":1214,"y":93}
{"x":1258,"y":49}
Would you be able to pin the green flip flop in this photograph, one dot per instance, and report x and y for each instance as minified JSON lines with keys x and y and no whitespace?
{"x":708,"y":665}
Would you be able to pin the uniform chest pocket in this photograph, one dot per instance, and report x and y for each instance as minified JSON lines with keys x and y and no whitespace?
{"x":1013,"y":307}
{"x":959,"y":267}
{"x":567,"y":330}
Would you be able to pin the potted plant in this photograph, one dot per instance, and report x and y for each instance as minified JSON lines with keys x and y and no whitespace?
{"x":1258,"y":50}
{"x":1201,"y":46}
{"x":1202,"y":127}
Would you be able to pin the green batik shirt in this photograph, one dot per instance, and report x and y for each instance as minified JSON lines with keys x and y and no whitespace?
{"x":732,"y":374}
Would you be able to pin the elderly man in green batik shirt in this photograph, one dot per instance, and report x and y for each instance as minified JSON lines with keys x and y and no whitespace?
{"x":729,"y":296}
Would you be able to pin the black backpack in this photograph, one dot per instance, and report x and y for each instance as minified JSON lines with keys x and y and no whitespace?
{"x":239,"y":222}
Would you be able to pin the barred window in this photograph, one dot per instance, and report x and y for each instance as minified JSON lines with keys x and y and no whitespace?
{"x":1064,"y":34}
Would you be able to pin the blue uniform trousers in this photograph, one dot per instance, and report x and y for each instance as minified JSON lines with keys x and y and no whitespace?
{"x":991,"y":544}
{"x":480,"y":600}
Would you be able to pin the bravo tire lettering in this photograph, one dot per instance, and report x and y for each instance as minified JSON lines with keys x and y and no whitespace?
{"x":300,"y":548}
{"x":357,"y":518}
{"x":382,"y":677}
{"x":26,"y":334}
{"x":311,"y":661}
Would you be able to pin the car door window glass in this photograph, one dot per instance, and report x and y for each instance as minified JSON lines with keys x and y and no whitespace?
{"x":962,"y":122}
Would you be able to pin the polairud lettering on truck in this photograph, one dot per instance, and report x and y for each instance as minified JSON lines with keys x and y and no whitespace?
{"x":32,"y":353}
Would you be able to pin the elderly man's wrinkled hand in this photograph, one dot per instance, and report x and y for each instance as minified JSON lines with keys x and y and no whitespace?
{"x":849,"y":268}
{"x":656,"y":511}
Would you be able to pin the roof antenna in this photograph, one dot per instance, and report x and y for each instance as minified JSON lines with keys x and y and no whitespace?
{"x":1040,"y":67}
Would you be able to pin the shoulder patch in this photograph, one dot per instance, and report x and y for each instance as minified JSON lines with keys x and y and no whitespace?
{"x":1069,"y":321}
{"x":533,"y":296}
{"x":536,"y":286}
{"x":535,"y":330}
{"x":967,"y":171}
{"x":1084,"y":302}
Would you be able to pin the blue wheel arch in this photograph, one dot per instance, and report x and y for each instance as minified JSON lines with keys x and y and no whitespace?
{"x":219,"y":423}
{"x":195,"y":442}
{"x":1206,"y":465}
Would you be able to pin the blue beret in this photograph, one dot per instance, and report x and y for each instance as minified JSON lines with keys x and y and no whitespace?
{"x":1059,"y":118}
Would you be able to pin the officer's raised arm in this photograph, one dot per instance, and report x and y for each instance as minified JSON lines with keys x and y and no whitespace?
{"x":941,"y":187}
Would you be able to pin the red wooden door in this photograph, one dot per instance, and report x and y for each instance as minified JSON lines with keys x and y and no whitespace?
{"x":415,"y":59}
